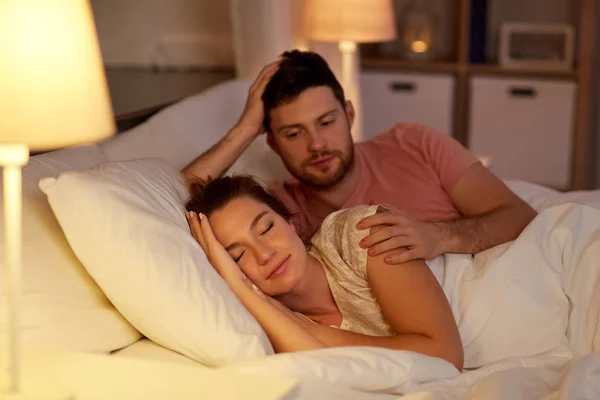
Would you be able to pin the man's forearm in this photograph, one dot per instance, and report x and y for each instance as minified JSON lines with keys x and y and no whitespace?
{"x":219,"y":158}
{"x":472,"y":235}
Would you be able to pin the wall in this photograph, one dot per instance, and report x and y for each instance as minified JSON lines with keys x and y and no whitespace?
{"x":262,"y":30}
{"x":164,"y":33}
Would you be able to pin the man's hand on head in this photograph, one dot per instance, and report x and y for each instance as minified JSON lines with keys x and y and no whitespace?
{"x":252,"y":118}
{"x":401,"y":236}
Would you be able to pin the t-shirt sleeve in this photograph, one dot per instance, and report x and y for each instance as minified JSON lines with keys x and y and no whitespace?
{"x":338,"y":237}
{"x":447,"y":157}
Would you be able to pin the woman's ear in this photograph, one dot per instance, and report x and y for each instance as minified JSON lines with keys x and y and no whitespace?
{"x":291,"y":223}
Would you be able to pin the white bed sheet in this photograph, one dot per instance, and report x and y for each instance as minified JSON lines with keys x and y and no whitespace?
{"x":306,"y":390}
{"x":381,"y":374}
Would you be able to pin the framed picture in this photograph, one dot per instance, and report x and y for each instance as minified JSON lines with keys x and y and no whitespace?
{"x":536,"y":46}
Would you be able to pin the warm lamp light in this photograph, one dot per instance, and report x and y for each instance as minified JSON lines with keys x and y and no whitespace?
{"x":53,"y":94}
{"x":349,"y":22}
{"x":419,"y":46}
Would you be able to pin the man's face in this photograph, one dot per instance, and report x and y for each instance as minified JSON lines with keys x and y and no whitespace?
{"x":312,"y":136}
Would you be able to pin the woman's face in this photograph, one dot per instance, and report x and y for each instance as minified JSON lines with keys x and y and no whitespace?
{"x":265,"y":246}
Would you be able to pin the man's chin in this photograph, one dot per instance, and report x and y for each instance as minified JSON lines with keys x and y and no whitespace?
{"x":322,"y":182}
{"x":319,"y":179}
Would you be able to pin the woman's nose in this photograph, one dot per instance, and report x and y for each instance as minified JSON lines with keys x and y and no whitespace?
{"x":264,"y":253}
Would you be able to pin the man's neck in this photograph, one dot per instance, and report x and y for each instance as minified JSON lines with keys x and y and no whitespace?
{"x":312,"y":295}
{"x":332,"y":199}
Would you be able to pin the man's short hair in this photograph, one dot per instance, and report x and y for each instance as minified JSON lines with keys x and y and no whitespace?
{"x":298,"y":71}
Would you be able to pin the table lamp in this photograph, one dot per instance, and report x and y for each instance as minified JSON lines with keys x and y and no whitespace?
{"x":349,"y":22}
{"x":53,"y":94}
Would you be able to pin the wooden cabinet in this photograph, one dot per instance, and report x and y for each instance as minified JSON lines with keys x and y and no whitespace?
{"x":467,"y":126}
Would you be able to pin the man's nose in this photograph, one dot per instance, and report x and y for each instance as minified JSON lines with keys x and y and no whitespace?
{"x":316,"y":141}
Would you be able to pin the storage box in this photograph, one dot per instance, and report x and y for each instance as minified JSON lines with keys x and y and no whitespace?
{"x":525,"y":126}
{"x":389,"y":98}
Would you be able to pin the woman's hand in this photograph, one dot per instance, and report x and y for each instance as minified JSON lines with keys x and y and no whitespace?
{"x":215,"y":252}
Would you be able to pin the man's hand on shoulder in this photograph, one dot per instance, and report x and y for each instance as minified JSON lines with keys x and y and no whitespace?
{"x":401,"y":235}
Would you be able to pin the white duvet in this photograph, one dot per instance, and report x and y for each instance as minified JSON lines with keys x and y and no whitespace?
{"x":528,"y":314}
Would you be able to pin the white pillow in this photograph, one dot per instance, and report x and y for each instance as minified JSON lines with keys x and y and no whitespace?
{"x":184,"y":130}
{"x":61,"y":306}
{"x":126,"y":223}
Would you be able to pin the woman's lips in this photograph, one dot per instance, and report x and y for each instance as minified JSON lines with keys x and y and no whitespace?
{"x":279,"y":269}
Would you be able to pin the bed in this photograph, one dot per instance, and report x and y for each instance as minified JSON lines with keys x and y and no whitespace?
{"x":63,"y":307}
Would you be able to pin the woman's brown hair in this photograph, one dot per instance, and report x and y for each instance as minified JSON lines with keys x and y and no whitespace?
{"x":211,"y":195}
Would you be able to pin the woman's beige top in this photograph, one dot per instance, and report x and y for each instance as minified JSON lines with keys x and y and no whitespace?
{"x":336,"y":246}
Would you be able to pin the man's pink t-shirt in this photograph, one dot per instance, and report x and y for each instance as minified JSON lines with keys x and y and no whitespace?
{"x":410,"y":167}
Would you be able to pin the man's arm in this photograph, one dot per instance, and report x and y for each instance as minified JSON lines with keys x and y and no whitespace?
{"x":492,"y":215}
{"x":220,"y":157}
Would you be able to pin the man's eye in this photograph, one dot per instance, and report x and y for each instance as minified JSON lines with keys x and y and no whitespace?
{"x":326,"y":123}
{"x":291,"y":135}
{"x":238,"y":258}
{"x":268,"y":228}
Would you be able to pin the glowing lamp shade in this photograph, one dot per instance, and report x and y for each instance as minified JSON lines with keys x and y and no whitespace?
{"x":53,"y":89}
{"x":359,"y":21}
{"x":53,"y":94}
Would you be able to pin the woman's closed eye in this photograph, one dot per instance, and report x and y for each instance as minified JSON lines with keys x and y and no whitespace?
{"x":263,"y":232}
{"x":269,"y":227}
{"x":238,"y":258}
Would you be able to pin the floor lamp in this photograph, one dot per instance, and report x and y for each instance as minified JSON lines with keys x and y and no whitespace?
{"x":53,"y":94}
{"x":349,"y":22}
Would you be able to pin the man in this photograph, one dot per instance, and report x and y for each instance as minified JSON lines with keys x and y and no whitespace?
{"x":440,"y":199}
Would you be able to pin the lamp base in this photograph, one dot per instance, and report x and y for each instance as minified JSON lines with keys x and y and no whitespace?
{"x":12,"y":158}
{"x":351,"y":84}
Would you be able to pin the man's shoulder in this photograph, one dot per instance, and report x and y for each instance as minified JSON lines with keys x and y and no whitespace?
{"x":400,"y":135}
{"x":402,"y":138}
{"x":407,"y":138}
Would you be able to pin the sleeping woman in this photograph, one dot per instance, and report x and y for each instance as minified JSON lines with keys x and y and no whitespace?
{"x":328,"y":294}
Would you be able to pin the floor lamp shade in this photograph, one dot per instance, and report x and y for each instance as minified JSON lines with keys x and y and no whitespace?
{"x":349,"y":22}
{"x":54,"y":92}
{"x":358,"y":21}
